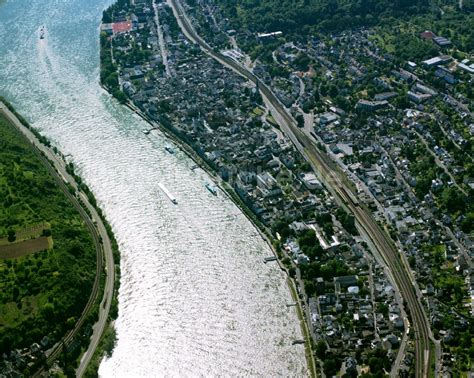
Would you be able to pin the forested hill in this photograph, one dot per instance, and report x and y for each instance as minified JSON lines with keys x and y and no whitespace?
{"x":315,"y":15}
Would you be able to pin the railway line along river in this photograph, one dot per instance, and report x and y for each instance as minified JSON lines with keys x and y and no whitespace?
{"x":195,"y":296}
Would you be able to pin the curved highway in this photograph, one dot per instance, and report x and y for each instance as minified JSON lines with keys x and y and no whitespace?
{"x":331,"y":176}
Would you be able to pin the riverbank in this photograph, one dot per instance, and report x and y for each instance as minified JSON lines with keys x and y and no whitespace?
{"x":263,"y":231}
{"x":73,"y":187}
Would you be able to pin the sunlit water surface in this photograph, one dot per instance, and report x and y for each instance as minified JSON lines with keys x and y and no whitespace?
{"x":195,"y":296}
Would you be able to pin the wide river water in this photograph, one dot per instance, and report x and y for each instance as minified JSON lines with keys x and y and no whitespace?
{"x":195,"y":297}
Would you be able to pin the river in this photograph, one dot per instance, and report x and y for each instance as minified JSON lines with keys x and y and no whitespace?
{"x":195,"y":296}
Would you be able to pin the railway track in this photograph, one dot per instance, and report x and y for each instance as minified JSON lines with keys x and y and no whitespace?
{"x":394,"y":262}
{"x":391,"y":258}
{"x":322,"y":164}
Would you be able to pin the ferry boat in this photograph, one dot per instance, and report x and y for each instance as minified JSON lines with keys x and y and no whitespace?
{"x":211,"y":188}
{"x":169,"y":148}
{"x":168,"y":194}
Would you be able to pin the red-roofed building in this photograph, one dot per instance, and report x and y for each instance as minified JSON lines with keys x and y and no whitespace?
{"x":427,"y":35}
{"x":121,"y":27}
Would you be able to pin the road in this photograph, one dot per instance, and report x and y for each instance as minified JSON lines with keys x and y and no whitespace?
{"x":99,"y":326}
{"x":161,"y":41}
{"x":57,"y":167}
{"x":338,"y":185}
{"x":439,"y":163}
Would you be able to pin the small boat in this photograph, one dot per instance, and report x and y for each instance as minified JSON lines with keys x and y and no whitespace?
{"x":211,"y":188}
{"x":146,"y":132}
{"x":169,"y":148}
{"x":296,"y":342}
{"x":168,"y":194}
{"x":42,"y":33}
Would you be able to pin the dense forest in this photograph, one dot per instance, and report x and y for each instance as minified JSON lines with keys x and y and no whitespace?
{"x":305,"y":16}
{"x":43,"y":293}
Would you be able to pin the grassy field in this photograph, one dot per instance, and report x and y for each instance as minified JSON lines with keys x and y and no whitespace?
{"x":41,"y":293}
{"x":25,"y":247}
{"x":27,"y":240}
